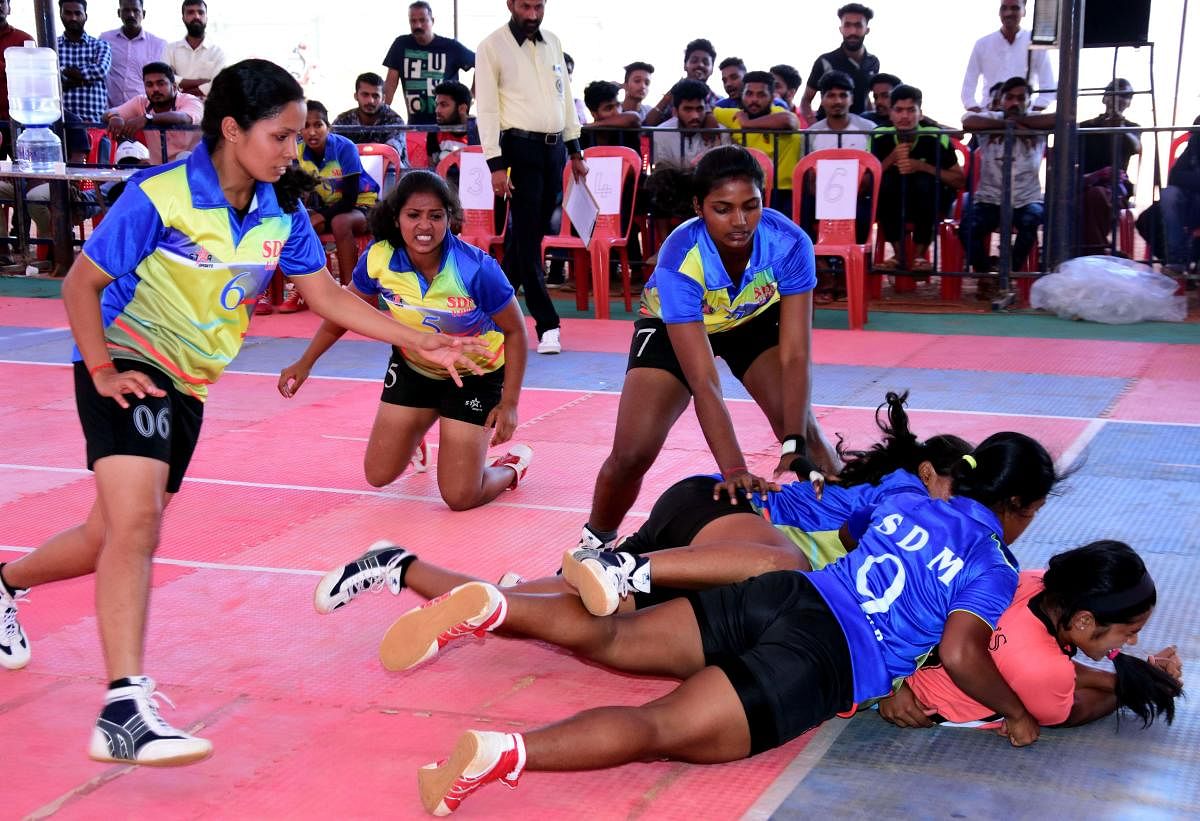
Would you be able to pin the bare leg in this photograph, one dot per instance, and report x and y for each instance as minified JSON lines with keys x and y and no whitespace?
{"x":66,"y":555}
{"x":463,"y":477}
{"x":651,"y":401}
{"x":394,"y":438}
{"x":345,"y":227}
{"x":698,"y":567}
{"x":132,"y":495}
{"x":763,"y":382}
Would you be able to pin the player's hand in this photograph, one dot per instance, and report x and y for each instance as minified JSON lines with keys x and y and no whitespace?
{"x":501,"y":185}
{"x":742,"y":484}
{"x":904,"y":709}
{"x":1021,"y":731}
{"x":291,"y":378}
{"x":449,"y":355}
{"x":804,"y":470}
{"x":1168,"y":661}
{"x":503,"y":421}
{"x":115,"y":384}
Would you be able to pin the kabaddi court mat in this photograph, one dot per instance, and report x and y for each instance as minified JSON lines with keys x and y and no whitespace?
{"x":307,"y":724}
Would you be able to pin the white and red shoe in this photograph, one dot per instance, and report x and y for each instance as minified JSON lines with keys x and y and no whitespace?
{"x":517,"y":458}
{"x":470,"y":609}
{"x":420,"y":458}
{"x":478,"y":758}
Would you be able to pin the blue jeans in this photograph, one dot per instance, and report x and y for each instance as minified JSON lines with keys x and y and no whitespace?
{"x":982,"y":218}
{"x":1180,"y":216}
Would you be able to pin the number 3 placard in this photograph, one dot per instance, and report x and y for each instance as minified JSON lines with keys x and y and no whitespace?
{"x":837,"y":189}
{"x":474,"y":182}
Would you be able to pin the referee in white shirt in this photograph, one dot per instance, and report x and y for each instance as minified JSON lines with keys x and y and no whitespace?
{"x":528,"y":125}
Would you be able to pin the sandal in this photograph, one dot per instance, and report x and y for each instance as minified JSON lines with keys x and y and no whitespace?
{"x":922,"y":266}
{"x":888,"y":264}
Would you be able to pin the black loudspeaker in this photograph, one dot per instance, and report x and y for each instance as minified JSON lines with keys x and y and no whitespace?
{"x":1116,"y":22}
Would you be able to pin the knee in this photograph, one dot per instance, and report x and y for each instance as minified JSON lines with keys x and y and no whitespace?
{"x":459,"y":500}
{"x":377,"y":476}
{"x":136,"y":530}
{"x":630,"y":462}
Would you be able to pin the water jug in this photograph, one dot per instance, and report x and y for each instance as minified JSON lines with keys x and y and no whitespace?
{"x":34,"y":89}
{"x":39,"y":150}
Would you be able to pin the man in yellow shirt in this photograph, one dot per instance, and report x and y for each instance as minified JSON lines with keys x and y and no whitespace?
{"x":759,"y":112}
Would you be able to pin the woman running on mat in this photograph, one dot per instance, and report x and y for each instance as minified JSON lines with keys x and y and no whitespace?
{"x":1094,"y":599}
{"x":159,"y":302}
{"x":764,"y":660}
{"x":434,"y":284}
{"x":734,"y":282}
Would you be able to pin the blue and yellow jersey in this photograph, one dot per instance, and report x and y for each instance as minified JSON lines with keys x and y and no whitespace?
{"x":690,"y":283}
{"x":187,"y":270}
{"x":340,"y":160}
{"x":919,"y":560}
{"x":468,"y":290}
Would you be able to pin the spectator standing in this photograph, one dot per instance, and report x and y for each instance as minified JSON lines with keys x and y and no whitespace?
{"x":787,"y":83}
{"x":194,"y":59}
{"x":527,"y":126}
{"x":84,"y":61}
{"x":636,"y":87}
{"x":837,"y":92}
{"x":453,"y":102}
{"x":371,"y":110}
{"x":132,"y":47}
{"x":759,"y":112}
{"x":161,"y":104}
{"x":699,"y":56}
{"x":418,"y":61}
{"x":851,"y":58}
{"x":9,"y":37}
{"x":1101,"y":158}
{"x":1180,"y":203}
{"x":733,"y":70}
{"x":917,"y":161}
{"x":881,"y":94}
{"x":1003,"y":54}
{"x":983,"y":215}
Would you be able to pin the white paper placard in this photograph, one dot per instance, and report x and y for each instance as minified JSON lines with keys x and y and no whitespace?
{"x":837,"y":189}
{"x":373,"y":165}
{"x":582,"y":209}
{"x":475,"y":182}
{"x":604,"y":181}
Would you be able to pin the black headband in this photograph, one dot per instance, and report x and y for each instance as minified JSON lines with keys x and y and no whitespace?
{"x":1118,"y":602}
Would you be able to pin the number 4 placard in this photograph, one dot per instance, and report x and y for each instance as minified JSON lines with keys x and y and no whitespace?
{"x":837,"y":189}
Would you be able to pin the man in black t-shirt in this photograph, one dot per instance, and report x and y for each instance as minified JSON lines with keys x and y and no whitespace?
{"x":1101,"y":193}
{"x":851,"y":58}
{"x":419,"y":61}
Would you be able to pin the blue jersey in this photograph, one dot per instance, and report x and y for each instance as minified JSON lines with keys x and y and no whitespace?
{"x":690,"y":283}
{"x":339,"y":160}
{"x":920,"y":560}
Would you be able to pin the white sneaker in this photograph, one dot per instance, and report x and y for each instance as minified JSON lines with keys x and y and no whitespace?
{"x":605,"y":577}
{"x":14,"y":646}
{"x":518,"y":457}
{"x":420,"y":458}
{"x":383,"y":564}
{"x":550,"y":342}
{"x":130,"y":730}
{"x":478,"y":758}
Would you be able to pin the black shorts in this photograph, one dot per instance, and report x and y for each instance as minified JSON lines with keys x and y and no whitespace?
{"x":782,"y":649}
{"x":739,"y":346}
{"x":165,"y":428}
{"x":679,"y":514}
{"x":471,"y":403}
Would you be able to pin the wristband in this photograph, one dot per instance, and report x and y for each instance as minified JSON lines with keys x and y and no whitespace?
{"x":801,"y":466}
{"x":93,"y":371}
{"x":792,"y":443}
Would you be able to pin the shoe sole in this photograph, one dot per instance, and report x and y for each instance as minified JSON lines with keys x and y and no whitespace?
{"x":413,"y":637}
{"x":434,"y":781}
{"x":570,"y":568}
{"x":176,"y":761}
{"x":587,"y":579}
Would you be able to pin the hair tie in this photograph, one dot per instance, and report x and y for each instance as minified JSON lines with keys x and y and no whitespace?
{"x":970,"y":460}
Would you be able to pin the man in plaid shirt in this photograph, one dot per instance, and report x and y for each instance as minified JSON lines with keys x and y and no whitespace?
{"x":84,"y":62}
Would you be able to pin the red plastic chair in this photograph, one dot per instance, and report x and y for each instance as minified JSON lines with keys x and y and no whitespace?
{"x":391,"y":162}
{"x":479,"y":224}
{"x":416,"y":143}
{"x":1177,"y":146}
{"x":768,"y":168}
{"x":592,"y":262}
{"x":836,"y":238}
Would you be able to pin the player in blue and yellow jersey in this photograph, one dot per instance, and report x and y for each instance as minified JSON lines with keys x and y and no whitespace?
{"x":764,"y":660}
{"x":434,"y":283}
{"x":735,"y":282}
{"x":158,"y":304}
{"x":345,"y":192}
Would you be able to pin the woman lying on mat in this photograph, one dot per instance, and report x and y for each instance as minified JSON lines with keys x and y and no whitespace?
{"x":735,"y":282}
{"x":434,"y":283}
{"x":1093,"y":599}
{"x":764,"y":660}
{"x":700,"y":541}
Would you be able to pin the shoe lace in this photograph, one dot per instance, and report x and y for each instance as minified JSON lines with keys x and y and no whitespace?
{"x":622,"y":577}
{"x":10,"y":626}
{"x":152,"y":695}
{"x":374,"y":582}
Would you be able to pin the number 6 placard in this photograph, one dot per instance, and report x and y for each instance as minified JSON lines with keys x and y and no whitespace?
{"x":837,"y":189}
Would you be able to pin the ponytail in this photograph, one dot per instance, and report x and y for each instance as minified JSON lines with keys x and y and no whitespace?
{"x":899,"y":448}
{"x":1145,"y":690}
{"x":293,"y":187}
{"x":1004,"y":467}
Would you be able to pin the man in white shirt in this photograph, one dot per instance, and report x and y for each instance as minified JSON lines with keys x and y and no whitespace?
{"x":528,"y":126}
{"x":194,"y":60}
{"x":837,"y":94}
{"x":1003,"y":54}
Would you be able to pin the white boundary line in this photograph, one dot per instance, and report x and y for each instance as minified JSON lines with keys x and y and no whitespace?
{"x":773,"y":797}
{"x":240,"y":568}
{"x":821,"y":405}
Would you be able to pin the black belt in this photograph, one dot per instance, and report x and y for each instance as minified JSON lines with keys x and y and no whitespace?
{"x":538,"y":136}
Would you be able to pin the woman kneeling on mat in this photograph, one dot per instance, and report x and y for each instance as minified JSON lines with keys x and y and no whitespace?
{"x":434,"y":283}
{"x":764,"y":660}
{"x":1094,"y":599}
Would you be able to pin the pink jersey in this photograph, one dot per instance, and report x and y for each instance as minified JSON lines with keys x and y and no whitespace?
{"x":1029,"y":659}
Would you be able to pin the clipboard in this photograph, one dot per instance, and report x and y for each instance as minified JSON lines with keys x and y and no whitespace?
{"x":581,"y":207}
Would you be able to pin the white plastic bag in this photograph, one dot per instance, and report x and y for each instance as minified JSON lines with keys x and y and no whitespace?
{"x":1111,"y":290}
